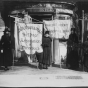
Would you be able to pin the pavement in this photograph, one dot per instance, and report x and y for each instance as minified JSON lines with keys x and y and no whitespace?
{"x":31,"y":76}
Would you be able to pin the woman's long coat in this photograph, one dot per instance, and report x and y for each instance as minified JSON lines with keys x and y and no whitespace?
{"x":7,"y":51}
{"x":46,"y":43}
{"x":72,"y":51}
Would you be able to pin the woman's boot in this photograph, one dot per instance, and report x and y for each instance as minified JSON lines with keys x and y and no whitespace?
{"x":40,"y":65}
{"x":46,"y":66}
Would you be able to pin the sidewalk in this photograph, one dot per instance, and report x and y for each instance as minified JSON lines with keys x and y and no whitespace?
{"x":30,"y":76}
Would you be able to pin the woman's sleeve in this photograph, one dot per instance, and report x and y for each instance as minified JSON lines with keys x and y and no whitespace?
{"x":77,"y":39}
{"x":51,"y":39}
{"x":2,"y":39}
{"x":13,"y":43}
{"x":1,"y":42}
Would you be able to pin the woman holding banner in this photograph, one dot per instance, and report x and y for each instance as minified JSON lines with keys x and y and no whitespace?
{"x":46,"y":43}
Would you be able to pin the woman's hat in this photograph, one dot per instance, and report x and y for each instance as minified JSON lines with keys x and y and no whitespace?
{"x":46,"y":32}
{"x":73,"y":29}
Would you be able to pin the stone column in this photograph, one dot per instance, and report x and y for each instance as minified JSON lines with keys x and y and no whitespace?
{"x":56,"y":51}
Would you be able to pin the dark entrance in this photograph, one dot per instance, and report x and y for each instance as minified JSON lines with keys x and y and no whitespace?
{"x":40,"y":18}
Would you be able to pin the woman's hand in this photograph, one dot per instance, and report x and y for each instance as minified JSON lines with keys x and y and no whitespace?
{"x":2,"y":51}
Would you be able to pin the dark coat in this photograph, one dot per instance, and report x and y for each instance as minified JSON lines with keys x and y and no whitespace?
{"x":7,"y":50}
{"x":72,"y":51}
{"x":46,"y":44}
{"x":85,"y":61}
{"x":1,"y":55}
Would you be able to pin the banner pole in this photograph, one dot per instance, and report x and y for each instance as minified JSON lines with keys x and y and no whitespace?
{"x":52,"y":48}
{"x":15,"y":30}
{"x":82,"y":35}
{"x":13,"y":59}
{"x":82,"y":25}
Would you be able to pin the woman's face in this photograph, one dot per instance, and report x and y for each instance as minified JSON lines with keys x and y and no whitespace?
{"x":72,"y":31}
{"x":47,"y":35}
{"x":7,"y":33}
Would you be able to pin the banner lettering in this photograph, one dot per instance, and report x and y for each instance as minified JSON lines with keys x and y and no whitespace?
{"x":30,"y":37}
{"x":58,"y":28}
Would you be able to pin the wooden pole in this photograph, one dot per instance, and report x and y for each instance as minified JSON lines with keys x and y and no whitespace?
{"x":52,"y":49}
{"x":82,"y":25}
{"x":82,"y":36}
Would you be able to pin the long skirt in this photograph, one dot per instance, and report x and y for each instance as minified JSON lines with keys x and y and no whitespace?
{"x":73,"y":59}
{"x":86,"y":60}
{"x":7,"y":57}
{"x":46,"y":55}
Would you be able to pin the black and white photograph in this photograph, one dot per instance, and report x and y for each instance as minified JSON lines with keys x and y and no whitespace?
{"x":43,"y":43}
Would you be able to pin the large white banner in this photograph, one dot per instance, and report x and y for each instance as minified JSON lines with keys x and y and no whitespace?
{"x":49,"y":26}
{"x":62,"y":28}
{"x":58,"y":28}
{"x":30,"y":37}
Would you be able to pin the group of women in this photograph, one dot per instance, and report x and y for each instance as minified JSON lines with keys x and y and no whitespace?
{"x":44,"y":53}
{"x":6,"y":54}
